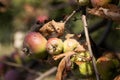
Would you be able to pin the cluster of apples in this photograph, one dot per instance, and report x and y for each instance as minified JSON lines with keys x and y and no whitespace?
{"x":43,"y":44}
{"x":51,"y":40}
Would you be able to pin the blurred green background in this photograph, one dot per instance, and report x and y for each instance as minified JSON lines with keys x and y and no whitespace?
{"x":20,"y":15}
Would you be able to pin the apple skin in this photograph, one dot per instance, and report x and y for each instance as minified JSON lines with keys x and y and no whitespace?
{"x":70,"y":45}
{"x":12,"y":75}
{"x":42,"y":18}
{"x":54,"y":46}
{"x":36,"y":43}
{"x":107,"y":67}
{"x":83,"y":2}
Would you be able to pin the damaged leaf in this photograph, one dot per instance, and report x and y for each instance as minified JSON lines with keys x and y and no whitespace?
{"x":52,"y":29}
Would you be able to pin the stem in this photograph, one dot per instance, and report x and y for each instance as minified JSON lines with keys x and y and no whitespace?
{"x":89,"y":45}
{"x":72,"y":14}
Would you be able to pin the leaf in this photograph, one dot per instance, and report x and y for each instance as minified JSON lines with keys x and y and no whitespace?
{"x":64,"y":66}
{"x":52,"y":29}
{"x":110,"y":11}
{"x":117,"y":77}
{"x":60,"y":69}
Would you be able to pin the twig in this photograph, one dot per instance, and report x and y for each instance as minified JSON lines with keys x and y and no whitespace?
{"x":70,"y":16}
{"x":63,"y":55}
{"x":88,"y":43}
{"x":21,"y":66}
{"x":117,"y":28}
{"x":47,"y":73}
{"x":96,"y":26}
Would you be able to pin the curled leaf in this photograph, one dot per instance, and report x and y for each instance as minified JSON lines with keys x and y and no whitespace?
{"x":111,"y":12}
{"x":52,"y":29}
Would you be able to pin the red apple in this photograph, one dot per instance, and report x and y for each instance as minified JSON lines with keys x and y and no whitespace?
{"x":42,"y":18}
{"x":36,"y":44}
{"x":54,"y":46}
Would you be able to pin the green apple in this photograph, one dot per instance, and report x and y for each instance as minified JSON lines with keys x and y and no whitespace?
{"x":108,"y":67}
{"x":54,"y":46}
{"x":70,"y":45}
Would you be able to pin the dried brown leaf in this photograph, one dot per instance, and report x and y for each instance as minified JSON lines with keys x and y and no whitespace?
{"x":52,"y":29}
{"x":64,"y":66}
{"x":117,"y":77}
{"x":60,"y":69}
{"x":111,"y":12}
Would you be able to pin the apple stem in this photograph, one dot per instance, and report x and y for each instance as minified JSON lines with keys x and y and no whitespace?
{"x":85,"y":25}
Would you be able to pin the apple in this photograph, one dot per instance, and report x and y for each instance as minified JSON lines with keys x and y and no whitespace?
{"x":108,"y":67}
{"x":54,"y":46}
{"x":36,"y":44}
{"x":83,"y":2}
{"x":70,"y":45}
{"x":42,"y":18}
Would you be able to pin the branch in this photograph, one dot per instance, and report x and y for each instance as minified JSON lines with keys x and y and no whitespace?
{"x":70,"y":16}
{"x":47,"y":73}
{"x":21,"y":66}
{"x":96,"y":26}
{"x":117,"y":28}
{"x":88,"y":43}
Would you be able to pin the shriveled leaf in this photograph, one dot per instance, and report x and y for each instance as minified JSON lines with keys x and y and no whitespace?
{"x":117,"y":77}
{"x":111,"y":12}
{"x":64,"y":66}
{"x":60,"y":69}
{"x":52,"y":29}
